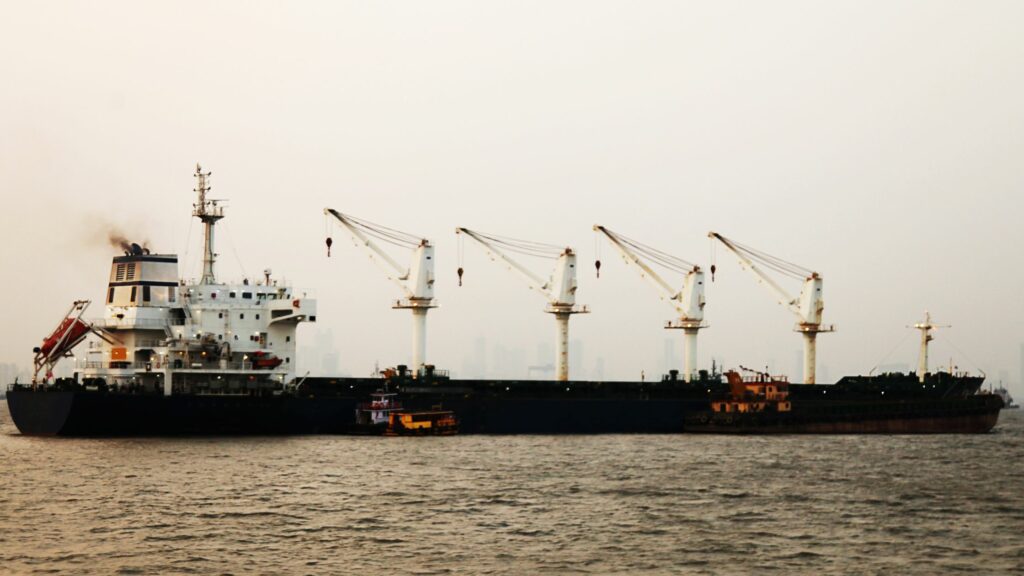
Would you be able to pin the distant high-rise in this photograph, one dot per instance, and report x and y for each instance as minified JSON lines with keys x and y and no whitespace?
{"x":1021,"y":381}
{"x":670,"y":360}
{"x":576,"y":360}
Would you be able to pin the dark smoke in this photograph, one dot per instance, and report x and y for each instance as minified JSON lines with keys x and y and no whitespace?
{"x":117,"y":239}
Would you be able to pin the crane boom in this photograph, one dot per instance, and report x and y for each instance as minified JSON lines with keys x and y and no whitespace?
{"x":781,"y":295}
{"x":535,"y":282}
{"x":665,"y":291}
{"x":393,"y":269}
{"x":688,"y":302}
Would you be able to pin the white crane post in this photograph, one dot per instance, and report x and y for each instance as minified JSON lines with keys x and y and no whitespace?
{"x":563,"y":292}
{"x":688,"y":302}
{"x":421,"y":284}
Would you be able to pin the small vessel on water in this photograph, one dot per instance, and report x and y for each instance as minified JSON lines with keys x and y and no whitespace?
{"x":177,"y":357}
{"x":422,"y":423}
{"x":384,"y":415}
{"x":1003,"y":393}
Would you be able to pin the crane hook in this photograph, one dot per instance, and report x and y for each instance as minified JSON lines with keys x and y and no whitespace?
{"x":597,"y":264}
{"x":713,"y":268}
{"x":329,"y":242}
{"x":460,"y":275}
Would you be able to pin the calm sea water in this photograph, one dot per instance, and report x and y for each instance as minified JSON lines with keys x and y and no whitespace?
{"x":514,"y":505}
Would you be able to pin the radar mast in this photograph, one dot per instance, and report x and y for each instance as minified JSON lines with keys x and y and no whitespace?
{"x":208,"y":212}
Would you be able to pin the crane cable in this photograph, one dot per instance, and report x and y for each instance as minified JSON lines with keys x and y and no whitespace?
{"x":385,"y":234}
{"x":784,"y":267}
{"x":524,"y":247}
{"x":663,"y":259}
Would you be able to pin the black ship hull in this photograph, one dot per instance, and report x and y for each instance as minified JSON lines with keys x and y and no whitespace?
{"x":889,"y":404}
{"x":969,"y":416}
{"x":92,"y":413}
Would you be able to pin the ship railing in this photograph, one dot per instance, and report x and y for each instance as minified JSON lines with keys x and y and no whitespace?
{"x":141,"y":322}
{"x":157,"y":365}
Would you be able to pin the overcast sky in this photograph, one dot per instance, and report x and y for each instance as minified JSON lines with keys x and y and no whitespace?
{"x":879,"y":143}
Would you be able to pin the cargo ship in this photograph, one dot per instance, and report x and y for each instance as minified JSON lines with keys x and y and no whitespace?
{"x":175,"y":357}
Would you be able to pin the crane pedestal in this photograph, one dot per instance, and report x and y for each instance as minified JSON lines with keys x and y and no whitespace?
{"x":810,"y":334}
{"x":419,"y":308}
{"x":562,"y":314}
{"x":690,"y":329}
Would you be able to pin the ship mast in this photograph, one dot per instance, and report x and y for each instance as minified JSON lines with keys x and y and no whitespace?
{"x":926,"y":328}
{"x":208,"y":212}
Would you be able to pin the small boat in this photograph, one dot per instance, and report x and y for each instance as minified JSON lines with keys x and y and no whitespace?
{"x":435,"y":422}
{"x":374,"y":417}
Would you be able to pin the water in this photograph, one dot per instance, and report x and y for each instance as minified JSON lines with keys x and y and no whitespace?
{"x":514,"y":505}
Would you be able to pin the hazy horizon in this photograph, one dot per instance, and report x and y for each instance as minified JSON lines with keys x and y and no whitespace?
{"x":877,"y":143}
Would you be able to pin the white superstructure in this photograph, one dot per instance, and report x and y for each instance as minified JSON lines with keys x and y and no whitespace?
{"x":196,"y":337}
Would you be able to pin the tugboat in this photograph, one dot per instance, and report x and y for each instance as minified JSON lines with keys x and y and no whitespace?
{"x":1008,"y":401}
{"x":751,"y":404}
{"x":424,"y":423}
{"x":373,"y":418}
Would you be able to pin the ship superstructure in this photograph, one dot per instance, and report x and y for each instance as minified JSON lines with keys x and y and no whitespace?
{"x":171,"y":336}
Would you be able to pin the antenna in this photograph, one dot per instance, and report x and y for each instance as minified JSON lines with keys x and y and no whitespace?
{"x":208,"y":213}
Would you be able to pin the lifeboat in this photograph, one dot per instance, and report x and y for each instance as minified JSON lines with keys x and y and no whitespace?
{"x":263,"y":360}
{"x":64,"y":338}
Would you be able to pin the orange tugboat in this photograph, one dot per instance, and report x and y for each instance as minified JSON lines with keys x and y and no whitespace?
{"x":426,"y":423}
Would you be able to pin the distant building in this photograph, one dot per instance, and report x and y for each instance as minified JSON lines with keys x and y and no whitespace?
{"x":670,"y":358}
{"x":576,"y":371}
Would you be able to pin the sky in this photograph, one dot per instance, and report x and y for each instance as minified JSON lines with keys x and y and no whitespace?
{"x":878,"y":143}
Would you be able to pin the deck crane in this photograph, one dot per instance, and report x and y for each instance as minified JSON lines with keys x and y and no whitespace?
{"x":808,"y":306}
{"x":559,"y":289}
{"x":688,"y":301}
{"x":416,"y":281}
